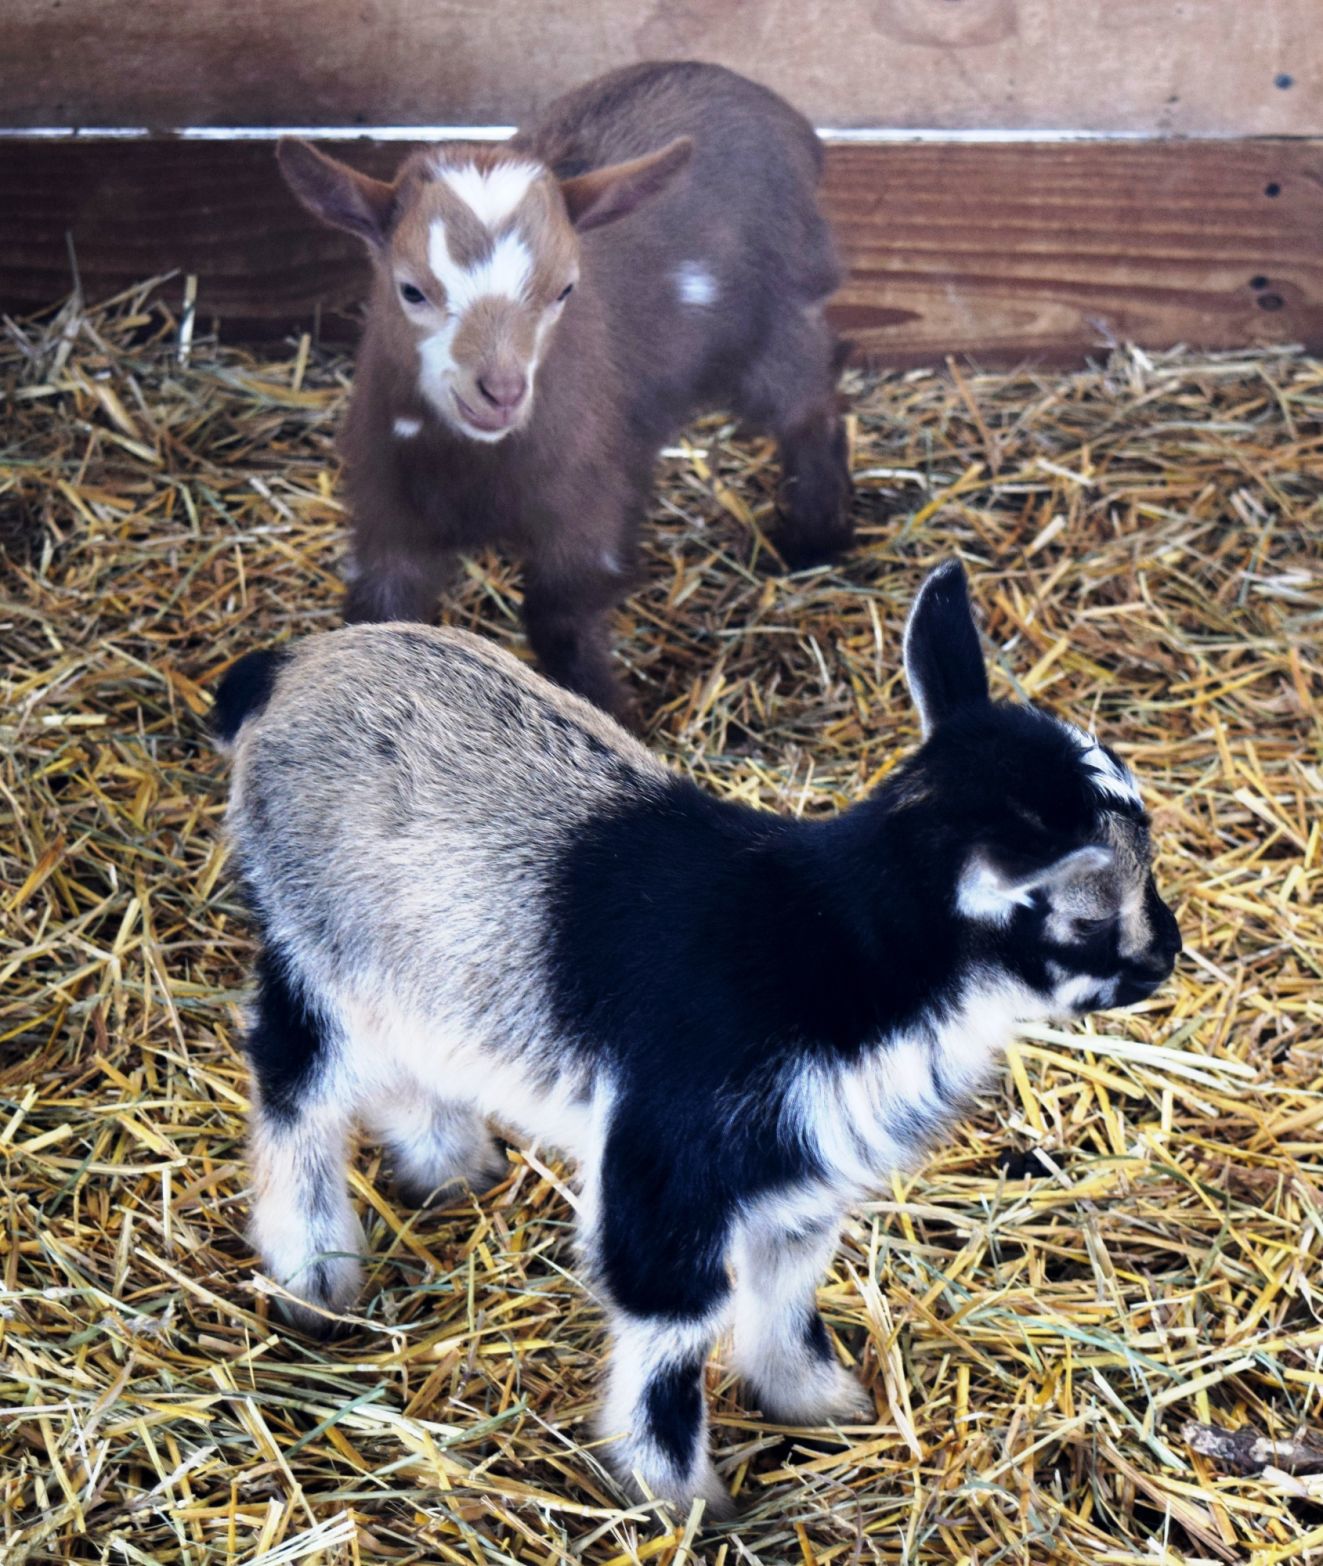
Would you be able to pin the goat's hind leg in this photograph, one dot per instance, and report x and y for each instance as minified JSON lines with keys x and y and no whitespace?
{"x":302,"y":1223}
{"x":790,"y":390}
{"x":436,"y":1144}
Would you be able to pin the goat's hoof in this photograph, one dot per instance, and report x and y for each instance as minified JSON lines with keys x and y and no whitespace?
{"x":802,"y":551}
{"x":327,"y":1288}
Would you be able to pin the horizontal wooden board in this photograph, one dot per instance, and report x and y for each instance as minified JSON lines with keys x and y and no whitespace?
{"x":1000,"y":251}
{"x":1175,"y":67}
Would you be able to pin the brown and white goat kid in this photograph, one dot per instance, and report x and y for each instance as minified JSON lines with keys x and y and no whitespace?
{"x":547,"y":312}
{"x":477,"y":895}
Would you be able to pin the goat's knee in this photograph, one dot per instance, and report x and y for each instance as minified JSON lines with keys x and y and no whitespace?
{"x":394,"y":586}
{"x":570,"y":634}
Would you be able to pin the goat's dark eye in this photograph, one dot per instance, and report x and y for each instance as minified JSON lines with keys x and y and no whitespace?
{"x":1084,"y":928}
{"x":565,"y":293}
{"x":412,"y":295}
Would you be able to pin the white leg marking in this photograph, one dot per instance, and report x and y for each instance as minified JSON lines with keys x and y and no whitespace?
{"x":660,"y":1354}
{"x":302,"y":1223}
{"x":778,"y":1346}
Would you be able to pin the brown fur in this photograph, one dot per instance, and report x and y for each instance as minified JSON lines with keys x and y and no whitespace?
{"x":625,"y":365}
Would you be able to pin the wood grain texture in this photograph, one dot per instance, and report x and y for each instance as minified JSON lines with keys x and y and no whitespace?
{"x":999,"y":251}
{"x":1176,"y":67}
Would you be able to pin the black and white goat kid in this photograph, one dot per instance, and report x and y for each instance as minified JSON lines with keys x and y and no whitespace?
{"x":477,"y":896}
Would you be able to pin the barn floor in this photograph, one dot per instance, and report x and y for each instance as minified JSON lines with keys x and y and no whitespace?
{"x":1146,"y":543}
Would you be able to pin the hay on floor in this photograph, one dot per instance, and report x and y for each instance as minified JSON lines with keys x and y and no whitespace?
{"x":1122,"y":1242}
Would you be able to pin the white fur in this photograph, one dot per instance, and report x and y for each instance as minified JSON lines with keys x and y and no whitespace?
{"x":986,"y":893}
{"x":777,"y":1269}
{"x":436,"y":363}
{"x":641,"y":1350}
{"x":983,"y":893}
{"x":406,"y":428}
{"x":301,"y":1219}
{"x":506,"y":272}
{"x":393,"y":1050}
{"x":490,"y":194}
{"x":695,"y":284}
{"x":854,"y":1116}
{"x":1109,"y":776}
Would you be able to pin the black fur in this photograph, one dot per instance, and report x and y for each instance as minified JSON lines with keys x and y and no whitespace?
{"x":245,"y":688}
{"x":285,"y":1039}
{"x":674,"y":1404}
{"x":942,"y":654}
{"x":704,"y":950}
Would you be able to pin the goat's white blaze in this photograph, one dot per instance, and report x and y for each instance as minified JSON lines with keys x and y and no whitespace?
{"x":695,"y":284}
{"x":490,"y":194}
{"x":506,"y":272}
{"x":406,"y":428}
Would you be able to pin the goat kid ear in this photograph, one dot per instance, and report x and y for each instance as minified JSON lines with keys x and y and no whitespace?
{"x":990,"y":891}
{"x":603,"y":195}
{"x":943,"y":659}
{"x":335,"y":193}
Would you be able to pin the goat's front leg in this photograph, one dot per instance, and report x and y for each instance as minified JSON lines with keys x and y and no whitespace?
{"x":781,"y":1347}
{"x":655,"y":1409}
{"x":657,"y":1241}
{"x":568,"y":617}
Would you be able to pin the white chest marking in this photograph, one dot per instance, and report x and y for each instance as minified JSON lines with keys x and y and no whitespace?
{"x":406,"y":429}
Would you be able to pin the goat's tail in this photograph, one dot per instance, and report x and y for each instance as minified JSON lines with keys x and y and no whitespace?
{"x":244,"y":690}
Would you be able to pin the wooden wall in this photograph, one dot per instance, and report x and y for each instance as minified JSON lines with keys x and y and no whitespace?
{"x":1160,"y":67}
{"x":1048,"y":248}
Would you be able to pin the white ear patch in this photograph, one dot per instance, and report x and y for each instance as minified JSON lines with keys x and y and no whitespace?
{"x":1109,"y":776}
{"x":506,"y":271}
{"x":986,"y":892}
{"x":490,"y":194}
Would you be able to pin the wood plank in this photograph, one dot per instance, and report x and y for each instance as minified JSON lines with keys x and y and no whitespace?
{"x":1201,"y":67}
{"x":1000,"y":251}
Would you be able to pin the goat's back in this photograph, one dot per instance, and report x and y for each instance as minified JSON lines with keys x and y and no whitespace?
{"x":401,"y":780}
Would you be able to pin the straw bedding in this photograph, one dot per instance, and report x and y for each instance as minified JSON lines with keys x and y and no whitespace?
{"x":1123,"y":1242}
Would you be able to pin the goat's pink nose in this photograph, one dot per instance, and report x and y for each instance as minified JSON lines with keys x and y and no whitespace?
{"x":504,"y":389}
